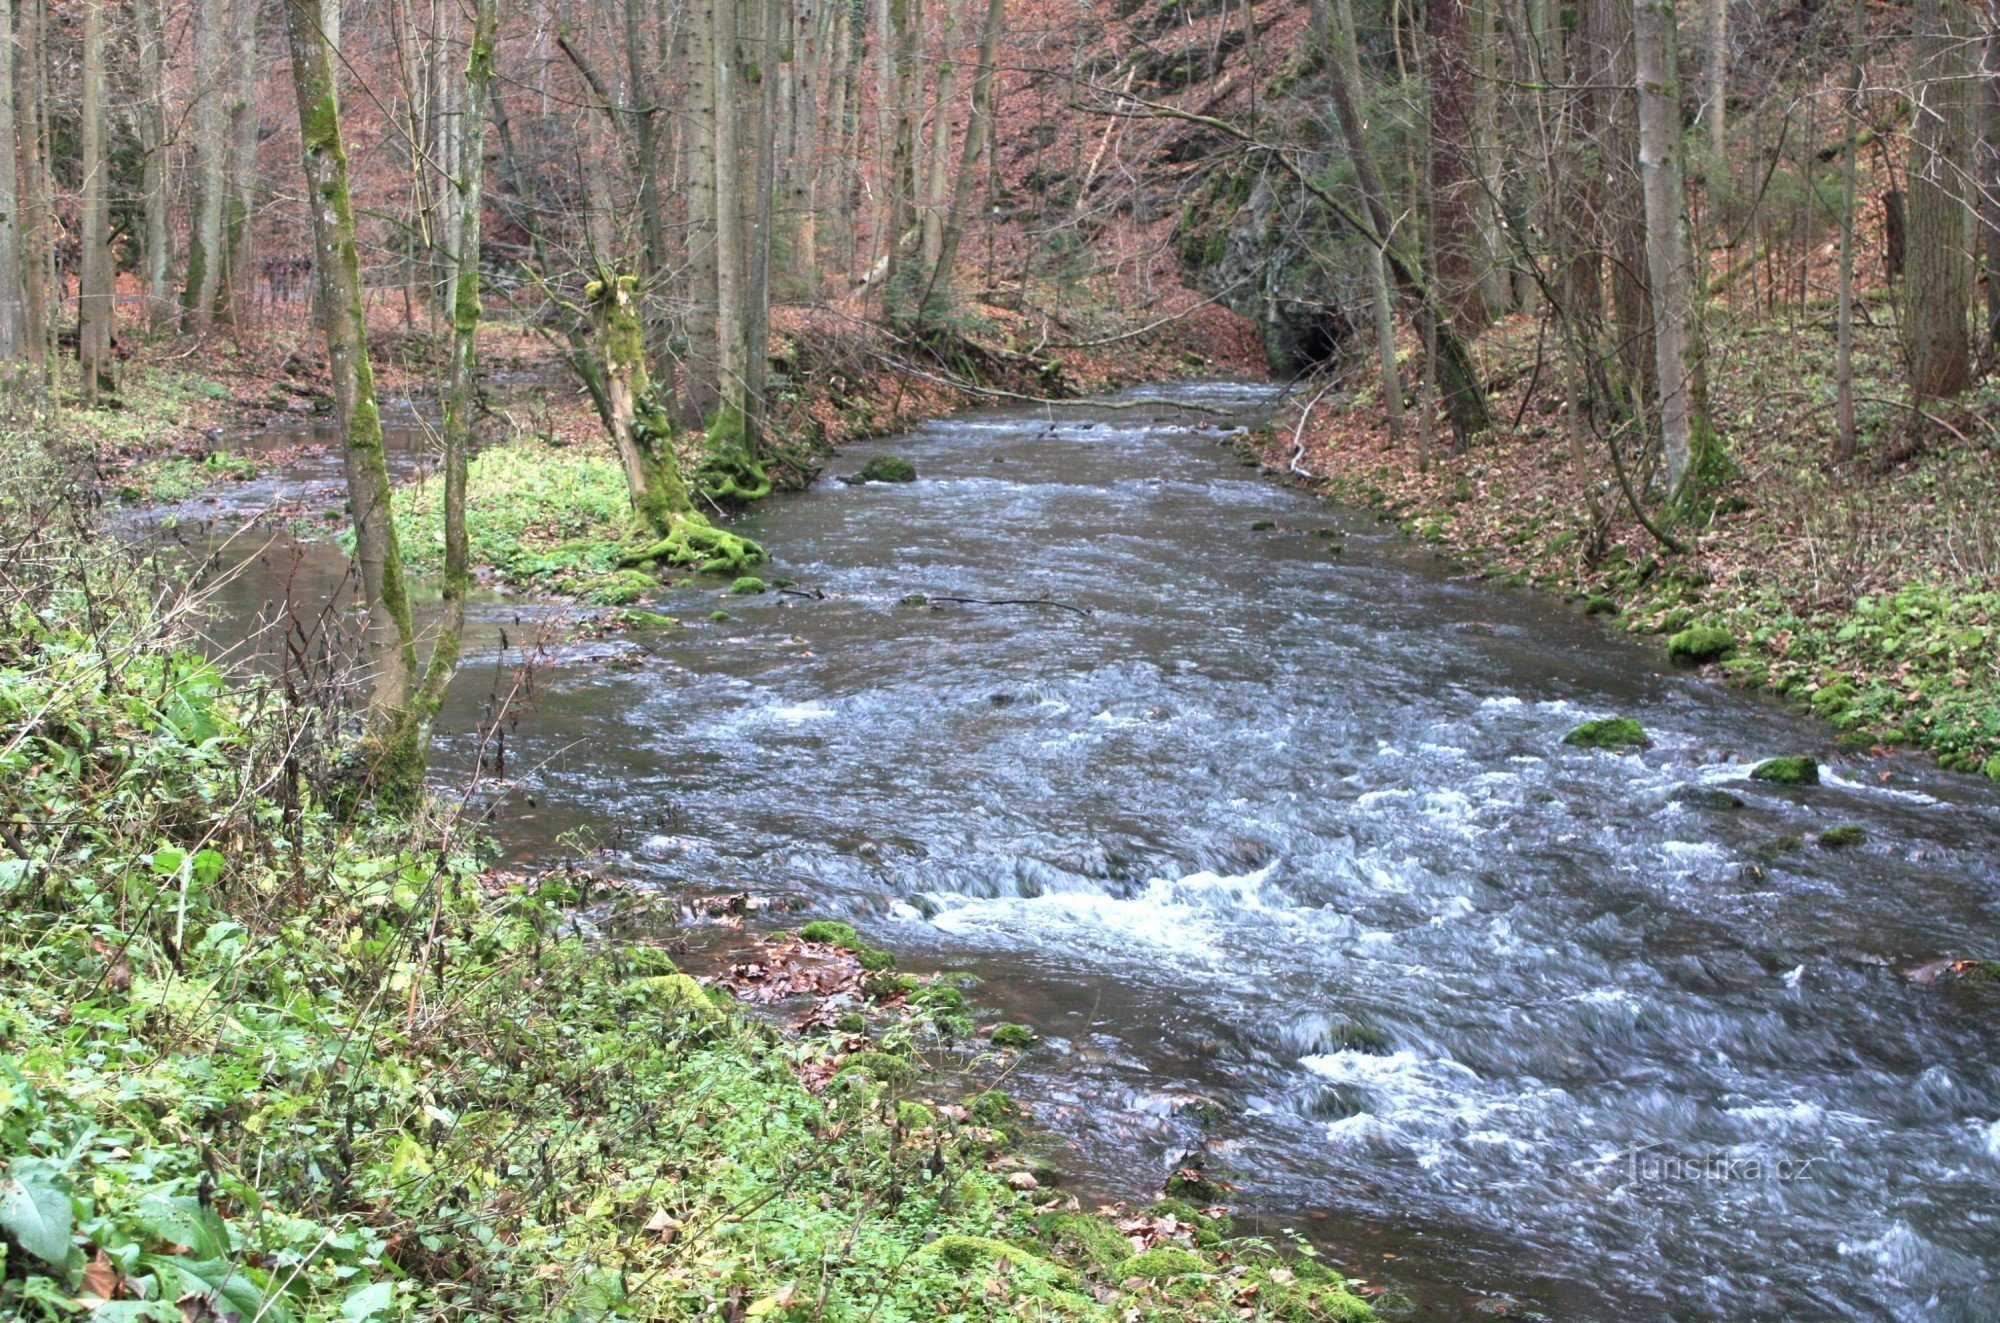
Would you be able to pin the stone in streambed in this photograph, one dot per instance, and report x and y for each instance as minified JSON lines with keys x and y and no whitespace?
{"x":1698,"y":645}
{"x":884,"y":468}
{"x":1608,"y":733}
{"x":1846,"y":834}
{"x":1790,"y":770}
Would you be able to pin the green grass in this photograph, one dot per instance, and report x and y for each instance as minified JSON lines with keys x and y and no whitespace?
{"x":536,"y":515}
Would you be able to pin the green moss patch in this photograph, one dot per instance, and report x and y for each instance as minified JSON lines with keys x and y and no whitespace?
{"x":1608,"y":733}
{"x":885,"y":468}
{"x":1846,"y":834}
{"x":1790,"y":770}
{"x":1698,"y":645}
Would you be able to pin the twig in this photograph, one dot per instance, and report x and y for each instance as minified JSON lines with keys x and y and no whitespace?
{"x":1010,"y":601}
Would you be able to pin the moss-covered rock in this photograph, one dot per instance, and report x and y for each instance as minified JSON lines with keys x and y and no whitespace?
{"x":885,"y":468}
{"x":1707,"y":797}
{"x":619,"y":588}
{"x":1013,"y":1035}
{"x":1599,"y":605}
{"x":878,"y":1066}
{"x":833,"y":933}
{"x":1187,"y":1183}
{"x":1608,"y":733}
{"x":1161,"y":1263}
{"x":1789,"y":770}
{"x":747,"y":584}
{"x":1698,"y":645}
{"x":1262,"y":525}
{"x":1846,"y":834}
{"x":678,"y":993}
{"x":874,"y":960}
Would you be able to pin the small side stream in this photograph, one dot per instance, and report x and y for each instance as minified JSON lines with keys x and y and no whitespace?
{"x":1286,"y":822}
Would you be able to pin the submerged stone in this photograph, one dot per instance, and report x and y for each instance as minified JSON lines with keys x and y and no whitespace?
{"x":1707,"y":797}
{"x":1790,"y":770}
{"x":884,"y":468}
{"x":1608,"y":733}
{"x":1846,"y":834}
{"x":1698,"y":645}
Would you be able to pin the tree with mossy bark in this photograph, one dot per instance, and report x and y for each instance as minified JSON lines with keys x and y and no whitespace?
{"x":670,"y":531}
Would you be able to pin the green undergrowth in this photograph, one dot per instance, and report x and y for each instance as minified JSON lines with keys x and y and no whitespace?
{"x":559,"y":519}
{"x":260,"y":1064}
{"x":1917,"y":667}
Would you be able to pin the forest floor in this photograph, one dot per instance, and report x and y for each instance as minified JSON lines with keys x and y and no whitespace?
{"x":1868,"y":592}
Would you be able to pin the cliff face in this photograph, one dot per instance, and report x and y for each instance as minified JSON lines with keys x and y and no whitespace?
{"x":1103,"y":167}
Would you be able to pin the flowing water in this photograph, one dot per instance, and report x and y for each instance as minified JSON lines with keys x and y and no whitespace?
{"x":1286,"y":822}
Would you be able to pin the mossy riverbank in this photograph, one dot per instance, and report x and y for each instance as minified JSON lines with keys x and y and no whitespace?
{"x":1868,"y":595}
{"x":260,"y":1063}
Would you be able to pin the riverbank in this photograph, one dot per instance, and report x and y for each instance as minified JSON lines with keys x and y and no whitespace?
{"x":1866,"y":592}
{"x":263,"y":1063}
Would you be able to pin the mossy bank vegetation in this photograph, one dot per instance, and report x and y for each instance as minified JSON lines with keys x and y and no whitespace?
{"x":261,"y":1062}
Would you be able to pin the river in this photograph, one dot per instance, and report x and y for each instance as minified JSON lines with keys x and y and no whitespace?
{"x":1285,"y":821}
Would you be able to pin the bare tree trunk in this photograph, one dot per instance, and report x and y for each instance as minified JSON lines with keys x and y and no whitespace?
{"x":645,"y":116}
{"x":211,"y":152}
{"x":245,"y":131}
{"x":156,"y":238}
{"x":1496,"y":283}
{"x":37,"y":204}
{"x":757,"y":283}
{"x":813,"y":23}
{"x":1715,"y":90}
{"x":13,"y":304}
{"x":843,"y":71}
{"x":1344,"y":81}
{"x":460,"y":397}
{"x":94,"y":284}
{"x":703,"y":390}
{"x":1843,"y":371}
{"x":1667,"y":267}
{"x":385,"y":599}
{"x":1940,"y":261}
{"x":905,"y":28}
{"x":940,"y":160}
{"x":978,"y":128}
{"x":729,"y":204}
{"x":1989,"y":170}
{"x":1454,"y":180}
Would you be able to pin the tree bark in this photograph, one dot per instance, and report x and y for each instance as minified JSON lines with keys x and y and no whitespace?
{"x":729,"y":205}
{"x":37,"y":203}
{"x":978,"y":127}
{"x":1939,"y":279}
{"x":1343,"y":68}
{"x":1850,"y":169}
{"x":460,"y":397}
{"x":940,"y":160}
{"x":1989,"y":171}
{"x":94,"y":284}
{"x":1454,"y":175}
{"x":387,"y":627}
{"x":905,"y":30}
{"x":702,"y":393}
{"x":245,"y":129}
{"x":1715,"y":90}
{"x":211,"y":151}
{"x":13,"y":304}
{"x":156,"y":240}
{"x":757,"y":284}
{"x":1667,"y":266}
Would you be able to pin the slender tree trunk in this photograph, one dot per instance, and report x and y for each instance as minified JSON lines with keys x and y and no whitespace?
{"x":906,"y":28}
{"x":757,"y":283}
{"x":1344,"y":81}
{"x":1850,"y":169}
{"x":1989,"y":171}
{"x":460,"y":397}
{"x":13,"y":299}
{"x":94,"y":283}
{"x":1667,"y":266}
{"x":1939,"y":259}
{"x":1496,"y":282}
{"x":238,"y":281}
{"x":813,"y":23}
{"x":729,"y":204}
{"x":211,"y":153}
{"x":978,"y":128}
{"x":388,"y":632}
{"x":157,"y":240}
{"x":1715,"y":90}
{"x":940,"y":161}
{"x":1455,"y":183}
{"x":645,"y":115}
{"x":842,"y":74}
{"x":38,"y":203}
{"x":702,"y":395}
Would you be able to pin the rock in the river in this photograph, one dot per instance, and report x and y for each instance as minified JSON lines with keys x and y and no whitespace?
{"x":1790,"y":770}
{"x":1846,"y":834}
{"x":1608,"y":733}
{"x":885,"y":468}
{"x":1700,"y":644}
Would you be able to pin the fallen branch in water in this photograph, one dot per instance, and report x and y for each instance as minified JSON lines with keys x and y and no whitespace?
{"x":1007,"y":601}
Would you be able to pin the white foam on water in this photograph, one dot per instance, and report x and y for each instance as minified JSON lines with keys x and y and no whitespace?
{"x":1993,"y":1141}
{"x":798,"y":713}
{"x":1187,"y":915}
{"x":1501,"y":701}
